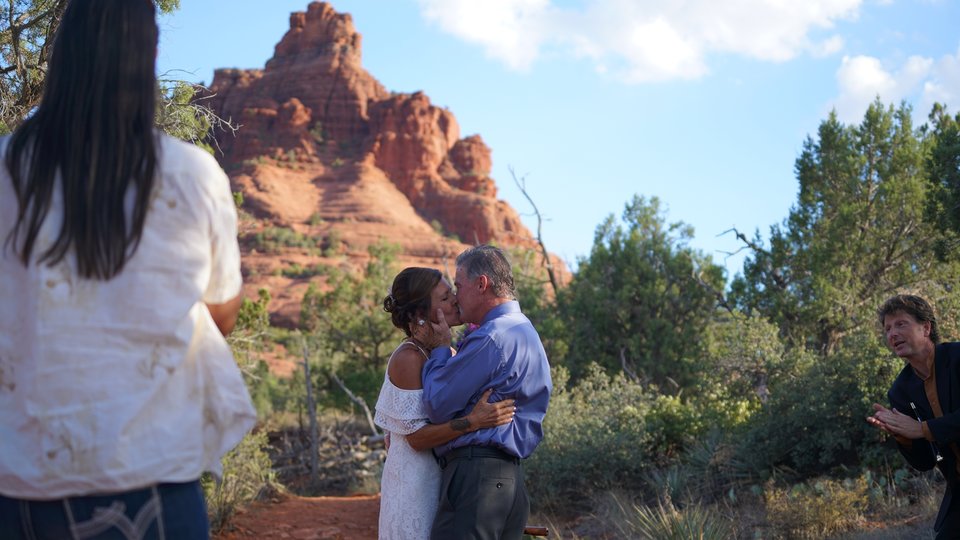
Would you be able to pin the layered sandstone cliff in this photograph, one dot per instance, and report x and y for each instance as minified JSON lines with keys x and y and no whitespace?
{"x":330,"y":162}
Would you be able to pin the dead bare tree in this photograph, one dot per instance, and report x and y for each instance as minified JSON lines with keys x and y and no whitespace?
{"x":547,"y":262}
{"x":312,"y":413}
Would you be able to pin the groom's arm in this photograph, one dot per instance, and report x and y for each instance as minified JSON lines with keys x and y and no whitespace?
{"x":452,"y":383}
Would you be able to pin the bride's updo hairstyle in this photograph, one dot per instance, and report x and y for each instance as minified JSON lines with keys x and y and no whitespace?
{"x":409,"y":296}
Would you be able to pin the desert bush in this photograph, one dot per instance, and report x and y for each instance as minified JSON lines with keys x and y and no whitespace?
{"x":332,"y":244}
{"x":345,"y":323}
{"x":584,"y":448}
{"x":816,"y":509}
{"x":605,"y":432}
{"x":272,"y":239}
{"x":902,"y":491}
{"x":246,"y":473}
{"x":709,"y":470}
{"x":297,"y":271}
{"x":364,"y":382}
{"x":742,"y":356}
{"x":814,"y":422}
{"x":272,"y":395}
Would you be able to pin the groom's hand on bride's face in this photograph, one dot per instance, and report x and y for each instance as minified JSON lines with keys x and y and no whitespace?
{"x":433,"y":334}
{"x":440,"y":330}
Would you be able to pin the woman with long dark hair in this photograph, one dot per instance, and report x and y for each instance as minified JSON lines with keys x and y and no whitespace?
{"x":119,"y":277}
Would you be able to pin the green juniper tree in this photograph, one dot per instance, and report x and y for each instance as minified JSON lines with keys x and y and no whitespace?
{"x":857,"y":234}
{"x":27,"y":28}
{"x":638,"y":303}
{"x":347,"y":328}
{"x":943,"y":171}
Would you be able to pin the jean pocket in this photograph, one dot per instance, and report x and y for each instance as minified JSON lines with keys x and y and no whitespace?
{"x":90,"y":518}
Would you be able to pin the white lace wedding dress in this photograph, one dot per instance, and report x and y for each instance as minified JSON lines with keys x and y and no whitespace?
{"x":410,"y":486}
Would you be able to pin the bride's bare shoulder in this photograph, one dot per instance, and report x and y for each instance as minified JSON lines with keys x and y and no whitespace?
{"x":405,"y":367}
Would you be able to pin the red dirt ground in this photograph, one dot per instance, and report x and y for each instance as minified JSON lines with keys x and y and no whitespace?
{"x":306,"y":518}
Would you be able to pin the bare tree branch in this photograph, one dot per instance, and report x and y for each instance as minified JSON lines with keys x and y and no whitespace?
{"x":358,"y":400}
{"x":522,"y":184}
{"x":748,"y":243}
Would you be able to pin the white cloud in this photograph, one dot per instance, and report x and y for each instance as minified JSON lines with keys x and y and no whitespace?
{"x":943,"y":85}
{"x":507,"y":29}
{"x":644,"y":40}
{"x":919,"y":80}
{"x":831,"y":45}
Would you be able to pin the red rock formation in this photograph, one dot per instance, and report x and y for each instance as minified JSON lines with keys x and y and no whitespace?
{"x":324,"y":149}
{"x":318,"y":63}
{"x":471,"y":160}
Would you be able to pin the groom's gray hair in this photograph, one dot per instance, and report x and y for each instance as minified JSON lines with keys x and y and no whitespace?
{"x":490,"y":261}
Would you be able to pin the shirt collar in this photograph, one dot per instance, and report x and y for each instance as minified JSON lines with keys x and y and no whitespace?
{"x":507,"y":307}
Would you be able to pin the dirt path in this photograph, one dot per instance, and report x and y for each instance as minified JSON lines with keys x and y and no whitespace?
{"x":355,"y":518}
{"x":307,"y":518}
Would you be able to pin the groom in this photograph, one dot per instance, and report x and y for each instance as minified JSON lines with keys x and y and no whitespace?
{"x":482,"y":493}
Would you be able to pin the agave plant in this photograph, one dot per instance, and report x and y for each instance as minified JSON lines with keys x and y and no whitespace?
{"x":667,"y":522}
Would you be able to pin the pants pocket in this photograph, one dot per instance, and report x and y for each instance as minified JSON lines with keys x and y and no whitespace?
{"x":123,"y":517}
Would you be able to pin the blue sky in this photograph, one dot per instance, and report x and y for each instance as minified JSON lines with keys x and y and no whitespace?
{"x":702,"y":103}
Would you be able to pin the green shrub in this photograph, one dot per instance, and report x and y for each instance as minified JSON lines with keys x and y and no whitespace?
{"x":817,"y":509}
{"x":246,"y":473}
{"x":296,"y":271}
{"x":605,"y":432}
{"x":272,"y":239}
{"x":363,"y":381}
{"x":332,"y":244}
{"x":814,"y":421}
{"x":318,"y":133}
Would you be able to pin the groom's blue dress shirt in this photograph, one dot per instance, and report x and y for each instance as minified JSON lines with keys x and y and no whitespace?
{"x":505,"y":354}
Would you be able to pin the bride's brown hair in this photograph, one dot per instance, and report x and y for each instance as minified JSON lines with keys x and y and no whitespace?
{"x":409,"y":296}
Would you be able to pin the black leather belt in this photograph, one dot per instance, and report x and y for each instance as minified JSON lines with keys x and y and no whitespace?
{"x":471,"y":452}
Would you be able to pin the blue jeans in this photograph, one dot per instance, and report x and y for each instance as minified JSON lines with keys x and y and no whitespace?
{"x":163,"y":511}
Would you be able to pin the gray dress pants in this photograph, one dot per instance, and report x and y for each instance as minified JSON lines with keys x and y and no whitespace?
{"x":481,"y":497}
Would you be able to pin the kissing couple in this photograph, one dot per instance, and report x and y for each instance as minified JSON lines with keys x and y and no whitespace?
{"x":460,"y":422}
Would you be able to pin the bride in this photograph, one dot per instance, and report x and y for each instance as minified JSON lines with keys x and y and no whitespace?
{"x":410,"y":486}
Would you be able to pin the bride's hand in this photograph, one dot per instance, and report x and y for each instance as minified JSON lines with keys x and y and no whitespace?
{"x":484,"y":414}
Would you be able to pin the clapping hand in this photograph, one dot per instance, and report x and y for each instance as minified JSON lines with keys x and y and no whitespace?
{"x":894,"y":422}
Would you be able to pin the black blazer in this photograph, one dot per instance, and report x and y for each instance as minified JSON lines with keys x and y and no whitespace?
{"x":921,"y":454}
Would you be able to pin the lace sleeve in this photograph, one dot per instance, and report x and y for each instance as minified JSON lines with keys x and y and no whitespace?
{"x":400,"y":412}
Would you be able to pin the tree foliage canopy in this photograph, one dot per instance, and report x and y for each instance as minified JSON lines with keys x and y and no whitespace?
{"x":638,"y":302}
{"x":858,"y":233}
{"x":27,"y":29}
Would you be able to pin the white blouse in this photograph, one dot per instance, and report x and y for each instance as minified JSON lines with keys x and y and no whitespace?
{"x":115,"y":385}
